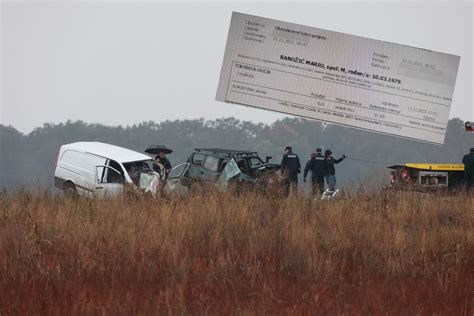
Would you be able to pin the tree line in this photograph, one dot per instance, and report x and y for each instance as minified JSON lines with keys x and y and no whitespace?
{"x":29,"y":160}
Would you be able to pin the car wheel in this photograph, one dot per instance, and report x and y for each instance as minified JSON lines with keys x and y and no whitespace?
{"x":69,"y":190}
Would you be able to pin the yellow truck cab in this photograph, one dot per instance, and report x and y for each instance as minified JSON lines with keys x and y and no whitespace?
{"x":426,"y":176}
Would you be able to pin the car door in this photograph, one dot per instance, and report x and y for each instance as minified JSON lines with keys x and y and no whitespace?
{"x":211,"y":169}
{"x":178,"y":181}
{"x":109,"y":182}
{"x":196,"y":170}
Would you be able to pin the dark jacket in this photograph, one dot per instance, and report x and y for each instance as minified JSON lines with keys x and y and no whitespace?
{"x":468,"y":161}
{"x":330,"y":161}
{"x":317,"y":165}
{"x":290,"y":163}
{"x":165,"y":162}
{"x":307,"y":167}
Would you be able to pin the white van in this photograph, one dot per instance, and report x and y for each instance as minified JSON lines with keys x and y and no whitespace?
{"x":95,"y":169}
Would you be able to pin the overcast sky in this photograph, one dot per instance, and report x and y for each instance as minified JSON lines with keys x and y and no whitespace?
{"x":124,"y":63}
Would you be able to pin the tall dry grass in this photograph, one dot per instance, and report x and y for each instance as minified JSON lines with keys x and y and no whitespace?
{"x":369,"y":254}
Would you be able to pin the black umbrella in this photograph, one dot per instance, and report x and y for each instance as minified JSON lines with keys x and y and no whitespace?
{"x":156,"y":149}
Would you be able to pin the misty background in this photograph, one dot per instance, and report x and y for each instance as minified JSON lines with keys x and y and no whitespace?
{"x":138,"y":74}
{"x":29,"y":160}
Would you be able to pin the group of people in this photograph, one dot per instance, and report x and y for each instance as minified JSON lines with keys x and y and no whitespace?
{"x":321,"y":167}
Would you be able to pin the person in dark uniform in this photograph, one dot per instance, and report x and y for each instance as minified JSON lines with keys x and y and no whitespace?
{"x":318,"y":168}
{"x":330,"y":169}
{"x":162,"y":159}
{"x":307,"y":167}
{"x":468,"y":161}
{"x":290,"y":167}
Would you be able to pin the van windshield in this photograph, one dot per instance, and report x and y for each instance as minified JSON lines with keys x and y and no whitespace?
{"x":136,"y":168}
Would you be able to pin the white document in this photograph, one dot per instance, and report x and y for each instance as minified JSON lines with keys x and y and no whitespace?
{"x":338,"y":78}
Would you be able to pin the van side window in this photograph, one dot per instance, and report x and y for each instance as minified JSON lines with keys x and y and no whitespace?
{"x":115,"y":165}
{"x":112,"y":175}
{"x":108,"y":175}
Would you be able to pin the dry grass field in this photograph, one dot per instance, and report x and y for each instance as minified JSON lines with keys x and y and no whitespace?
{"x":370,"y":254}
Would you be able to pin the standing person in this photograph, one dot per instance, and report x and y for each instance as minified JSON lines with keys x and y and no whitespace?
{"x":162,"y":159}
{"x":318,"y":168}
{"x":468,"y":161}
{"x":307,"y":167}
{"x":290,"y":167}
{"x":330,"y":169}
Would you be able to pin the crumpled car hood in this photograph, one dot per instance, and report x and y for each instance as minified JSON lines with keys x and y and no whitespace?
{"x":233,"y":172}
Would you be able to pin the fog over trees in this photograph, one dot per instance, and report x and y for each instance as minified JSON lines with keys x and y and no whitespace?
{"x":29,"y":160}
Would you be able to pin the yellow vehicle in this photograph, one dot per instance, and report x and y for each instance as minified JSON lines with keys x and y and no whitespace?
{"x":426,"y":176}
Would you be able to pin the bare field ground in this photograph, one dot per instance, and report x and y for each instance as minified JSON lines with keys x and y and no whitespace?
{"x":367,"y":254}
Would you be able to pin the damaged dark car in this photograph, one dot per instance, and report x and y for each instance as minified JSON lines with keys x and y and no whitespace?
{"x":220,"y":168}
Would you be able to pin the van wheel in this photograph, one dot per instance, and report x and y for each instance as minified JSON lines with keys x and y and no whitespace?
{"x":69,"y":190}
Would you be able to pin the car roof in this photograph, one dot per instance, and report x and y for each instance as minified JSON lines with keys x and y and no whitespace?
{"x":116,"y":153}
{"x":226,"y":152}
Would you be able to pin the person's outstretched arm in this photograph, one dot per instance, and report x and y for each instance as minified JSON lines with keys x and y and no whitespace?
{"x":340,"y":159}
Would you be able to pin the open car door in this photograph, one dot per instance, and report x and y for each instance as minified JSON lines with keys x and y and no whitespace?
{"x":230,"y":171}
{"x":109,"y":182}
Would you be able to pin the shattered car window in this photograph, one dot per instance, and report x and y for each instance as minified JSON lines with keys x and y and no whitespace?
{"x":255,"y":162}
{"x":137,"y":168}
{"x":148,"y":180}
{"x":141,"y":166}
{"x":211,"y":163}
{"x":230,"y":171}
{"x":242,"y":164}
